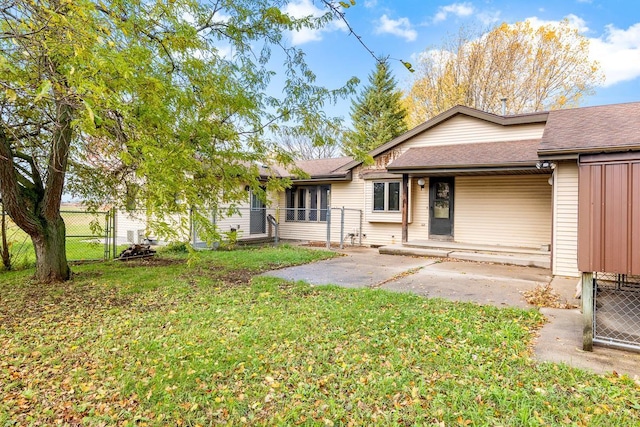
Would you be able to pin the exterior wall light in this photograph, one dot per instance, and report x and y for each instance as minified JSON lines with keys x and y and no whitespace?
{"x":421,"y":183}
{"x":545,"y":164}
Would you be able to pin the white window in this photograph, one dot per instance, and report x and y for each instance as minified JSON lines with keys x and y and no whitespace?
{"x":308,"y":203}
{"x":386,"y":196}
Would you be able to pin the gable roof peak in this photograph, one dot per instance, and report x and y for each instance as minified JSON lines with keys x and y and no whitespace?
{"x":508,"y":120}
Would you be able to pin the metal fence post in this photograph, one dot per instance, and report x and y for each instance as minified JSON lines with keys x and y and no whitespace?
{"x":342,"y":228}
{"x":114,"y":232}
{"x":328,"y":227}
{"x":192,"y":228}
{"x":360,"y":229}
{"x":105,"y":236}
{"x":277,"y":221}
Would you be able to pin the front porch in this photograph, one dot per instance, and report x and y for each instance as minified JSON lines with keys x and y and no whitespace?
{"x":529,"y":257}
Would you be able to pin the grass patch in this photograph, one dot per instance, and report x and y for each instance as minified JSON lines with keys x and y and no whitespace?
{"x":159,"y":342}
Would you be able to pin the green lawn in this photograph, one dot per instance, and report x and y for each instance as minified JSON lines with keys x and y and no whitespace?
{"x":195,"y":341}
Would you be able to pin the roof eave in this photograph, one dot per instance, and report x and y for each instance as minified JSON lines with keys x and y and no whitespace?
{"x":324,"y":178}
{"x":467,"y":169}
{"x":574,"y":152}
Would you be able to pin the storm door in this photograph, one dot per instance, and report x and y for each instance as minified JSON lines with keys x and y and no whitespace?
{"x":441,"y":207}
{"x":258,"y":216}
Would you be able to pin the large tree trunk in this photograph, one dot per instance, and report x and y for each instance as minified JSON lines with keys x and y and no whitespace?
{"x":51,"y":254}
{"x":34,"y":206}
{"x":4,"y":246}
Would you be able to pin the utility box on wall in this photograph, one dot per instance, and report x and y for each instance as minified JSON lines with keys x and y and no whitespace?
{"x":609,"y":213}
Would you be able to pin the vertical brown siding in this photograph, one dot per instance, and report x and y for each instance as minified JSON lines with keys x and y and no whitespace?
{"x":609,"y":213}
{"x":634,"y":208}
{"x":616,"y":223}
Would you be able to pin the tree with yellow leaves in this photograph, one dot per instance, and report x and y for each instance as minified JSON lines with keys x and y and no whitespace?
{"x":534,"y":68}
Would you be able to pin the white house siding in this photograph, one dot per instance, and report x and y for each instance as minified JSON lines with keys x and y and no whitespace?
{"x":419,"y":205}
{"x":465,"y":130}
{"x":565,"y":230}
{"x":509,"y":210}
{"x":241,"y":220}
{"x":132,"y":227}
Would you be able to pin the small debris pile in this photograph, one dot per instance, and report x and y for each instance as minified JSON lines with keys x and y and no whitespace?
{"x":545,"y":296}
{"x":137,"y":251}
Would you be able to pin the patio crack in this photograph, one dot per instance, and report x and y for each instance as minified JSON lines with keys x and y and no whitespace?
{"x":406,"y":273}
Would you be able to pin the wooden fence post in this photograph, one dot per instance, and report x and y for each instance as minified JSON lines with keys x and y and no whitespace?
{"x":587,"y":311}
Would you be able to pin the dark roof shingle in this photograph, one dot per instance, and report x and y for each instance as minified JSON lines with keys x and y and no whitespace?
{"x":592,"y":129}
{"x":487,"y":154}
{"x":324,"y":167}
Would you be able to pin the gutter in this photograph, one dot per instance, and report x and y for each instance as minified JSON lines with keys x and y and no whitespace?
{"x":572,"y":153}
{"x":454,"y":170}
{"x":328,"y":178}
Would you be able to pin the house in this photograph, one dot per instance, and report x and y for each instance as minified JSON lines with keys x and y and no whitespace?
{"x":464,"y":177}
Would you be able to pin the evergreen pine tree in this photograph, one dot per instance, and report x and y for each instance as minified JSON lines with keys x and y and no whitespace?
{"x":377,"y":113}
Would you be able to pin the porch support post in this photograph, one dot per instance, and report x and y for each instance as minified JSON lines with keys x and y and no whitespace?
{"x":405,"y":207}
{"x":587,"y":311}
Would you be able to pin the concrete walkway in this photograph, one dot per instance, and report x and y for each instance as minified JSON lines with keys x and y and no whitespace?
{"x":560,"y":340}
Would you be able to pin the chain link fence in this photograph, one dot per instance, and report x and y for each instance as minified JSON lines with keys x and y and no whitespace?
{"x":88,"y":238}
{"x":333,"y":227}
{"x":617,"y":310}
{"x":102,"y":235}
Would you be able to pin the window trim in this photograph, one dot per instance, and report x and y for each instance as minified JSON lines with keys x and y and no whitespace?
{"x":304,"y":209}
{"x":386,"y":196}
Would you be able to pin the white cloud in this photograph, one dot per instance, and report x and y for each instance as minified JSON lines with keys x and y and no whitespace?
{"x":618,"y":52}
{"x":399,"y":27}
{"x":457,"y":9}
{"x":488,"y":18}
{"x":574,"y":21}
{"x":304,"y":8}
{"x":370,"y":3}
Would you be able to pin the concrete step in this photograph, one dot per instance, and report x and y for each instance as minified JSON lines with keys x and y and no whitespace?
{"x":509,"y":258}
{"x":455,"y":246}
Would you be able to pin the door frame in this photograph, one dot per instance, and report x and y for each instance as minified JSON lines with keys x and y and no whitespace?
{"x":257,"y":215}
{"x":432,"y":192}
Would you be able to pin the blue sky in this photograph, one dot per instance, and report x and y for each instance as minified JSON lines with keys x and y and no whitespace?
{"x":404,"y":29}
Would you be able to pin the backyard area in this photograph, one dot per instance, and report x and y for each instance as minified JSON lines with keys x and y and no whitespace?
{"x":201,"y":339}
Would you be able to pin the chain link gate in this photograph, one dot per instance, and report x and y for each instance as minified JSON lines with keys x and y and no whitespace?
{"x":90,"y":236}
{"x":616,"y":307}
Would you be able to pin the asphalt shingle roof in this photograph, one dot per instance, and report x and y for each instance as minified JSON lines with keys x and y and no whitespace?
{"x":592,"y":129}
{"x":487,"y":154}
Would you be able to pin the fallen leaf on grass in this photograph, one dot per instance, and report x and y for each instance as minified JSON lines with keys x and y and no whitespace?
{"x":545,"y":296}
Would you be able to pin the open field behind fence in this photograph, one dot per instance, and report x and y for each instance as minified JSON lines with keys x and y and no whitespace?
{"x":87,"y":237}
